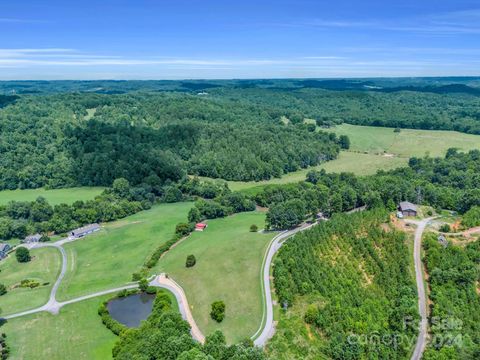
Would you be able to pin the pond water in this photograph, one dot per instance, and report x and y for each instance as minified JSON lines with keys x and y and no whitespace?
{"x":132,"y":309}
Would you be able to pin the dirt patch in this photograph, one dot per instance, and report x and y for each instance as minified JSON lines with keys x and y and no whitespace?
{"x":368,"y":279}
{"x":478,"y":287}
{"x":388,"y":155}
{"x":261,"y":208}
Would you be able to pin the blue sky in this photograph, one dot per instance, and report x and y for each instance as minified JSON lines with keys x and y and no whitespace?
{"x":180,"y":39}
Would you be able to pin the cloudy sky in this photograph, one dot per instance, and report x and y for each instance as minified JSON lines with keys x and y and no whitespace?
{"x":179,"y":39}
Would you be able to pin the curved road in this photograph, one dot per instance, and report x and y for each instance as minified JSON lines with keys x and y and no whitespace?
{"x":268,"y":330}
{"x":422,"y":302}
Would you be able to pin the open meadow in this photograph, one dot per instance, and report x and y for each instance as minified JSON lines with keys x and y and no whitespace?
{"x":54,"y":197}
{"x":407,"y":142}
{"x":229,"y":259}
{"x":375,"y":148}
{"x":108,"y":258}
{"x":43,"y":268}
{"x":76,"y":333}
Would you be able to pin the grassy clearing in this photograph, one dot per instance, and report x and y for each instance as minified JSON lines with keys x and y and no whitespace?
{"x":229,"y":260}
{"x":407,"y":142}
{"x":376,"y":148}
{"x":108,"y":258}
{"x":54,"y":197}
{"x":43,"y":267}
{"x":76,"y":333}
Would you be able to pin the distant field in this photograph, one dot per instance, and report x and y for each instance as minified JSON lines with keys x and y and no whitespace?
{"x":228,"y":267}
{"x":375,"y":148}
{"x":76,"y":333}
{"x":43,"y":267}
{"x":407,"y":142}
{"x":55,"y":196}
{"x":107,"y":259}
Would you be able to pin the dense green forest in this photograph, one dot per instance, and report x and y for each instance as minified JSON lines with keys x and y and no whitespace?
{"x":455,"y":311}
{"x":52,"y":141}
{"x":349,"y":290}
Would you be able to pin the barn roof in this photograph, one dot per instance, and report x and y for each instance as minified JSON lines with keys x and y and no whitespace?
{"x":405,"y":205}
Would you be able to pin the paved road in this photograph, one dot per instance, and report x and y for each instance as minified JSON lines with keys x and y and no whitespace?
{"x":169,"y":284}
{"x":422,"y":302}
{"x":268,"y":330}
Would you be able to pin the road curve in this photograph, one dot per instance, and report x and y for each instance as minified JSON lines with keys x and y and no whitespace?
{"x":263,"y":335}
{"x":167,"y":283}
{"x":422,"y":302}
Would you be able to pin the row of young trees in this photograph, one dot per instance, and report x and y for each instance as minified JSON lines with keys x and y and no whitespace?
{"x":455,"y":309}
{"x":352,"y":276}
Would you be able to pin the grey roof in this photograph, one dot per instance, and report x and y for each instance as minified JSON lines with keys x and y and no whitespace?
{"x":4,"y":247}
{"x":86,"y":229}
{"x":35,"y":237}
{"x":405,"y":205}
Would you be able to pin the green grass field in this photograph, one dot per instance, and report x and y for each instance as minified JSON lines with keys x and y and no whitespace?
{"x":55,"y":196}
{"x":75,"y":333}
{"x":375,"y":148}
{"x":407,"y":142}
{"x":43,"y":267}
{"x":228,"y":267}
{"x":108,"y":258}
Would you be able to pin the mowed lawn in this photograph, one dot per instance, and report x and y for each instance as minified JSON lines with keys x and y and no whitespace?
{"x":54,"y":197}
{"x":407,"y":142}
{"x":229,"y":260}
{"x":76,"y":333}
{"x":44,"y":268}
{"x":108,"y":258}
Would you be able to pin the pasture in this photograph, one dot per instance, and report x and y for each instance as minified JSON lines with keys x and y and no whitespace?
{"x":406,"y":143}
{"x":229,"y":259}
{"x":375,"y":148}
{"x":108,"y":258}
{"x":76,"y":333}
{"x":44,"y":268}
{"x":54,"y":197}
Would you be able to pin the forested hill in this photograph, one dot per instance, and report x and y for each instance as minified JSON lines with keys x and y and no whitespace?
{"x":347,"y":284}
{"x":91,"y":139}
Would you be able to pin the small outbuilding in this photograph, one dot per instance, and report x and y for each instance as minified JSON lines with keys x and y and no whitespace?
{"x":85,"y":230}
{"x":4,"y":249}
{"x":32,"y":239}
{"x":200,"y":226}
{"x":408,"y":209}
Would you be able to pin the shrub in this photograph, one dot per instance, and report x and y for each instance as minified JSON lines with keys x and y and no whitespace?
{"x":3,"y":289}
{"x":218,"y":311}
{"x":397,"y":130}
{"x":445,"y":228}
{"x":191,"y":261}
{"x":143,"y":284}
{"x":183,"y":229}
{"x":253,"y":228}
{"x":112,"y":324}
{"x":44,"y":238}
{"x":22,"y":254}
{"x":151,"y":290}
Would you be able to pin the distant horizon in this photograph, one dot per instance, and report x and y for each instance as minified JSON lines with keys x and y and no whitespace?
{"x":259,"y":78}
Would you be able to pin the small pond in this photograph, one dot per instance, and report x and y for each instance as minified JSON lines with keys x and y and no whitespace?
{"x":132,"y":309}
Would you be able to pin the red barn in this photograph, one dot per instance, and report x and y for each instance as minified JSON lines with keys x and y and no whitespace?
{"x":200,"y":227}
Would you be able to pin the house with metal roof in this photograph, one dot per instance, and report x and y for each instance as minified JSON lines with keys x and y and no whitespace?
{"x":408,"y":209}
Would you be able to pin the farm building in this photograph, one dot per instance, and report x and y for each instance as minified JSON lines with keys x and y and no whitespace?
{"x":85,"y":230}
{"x":32,"y":239}
{"x":200,"y":227}
{"x":408,"y":209}
{"x":4,"y":249}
